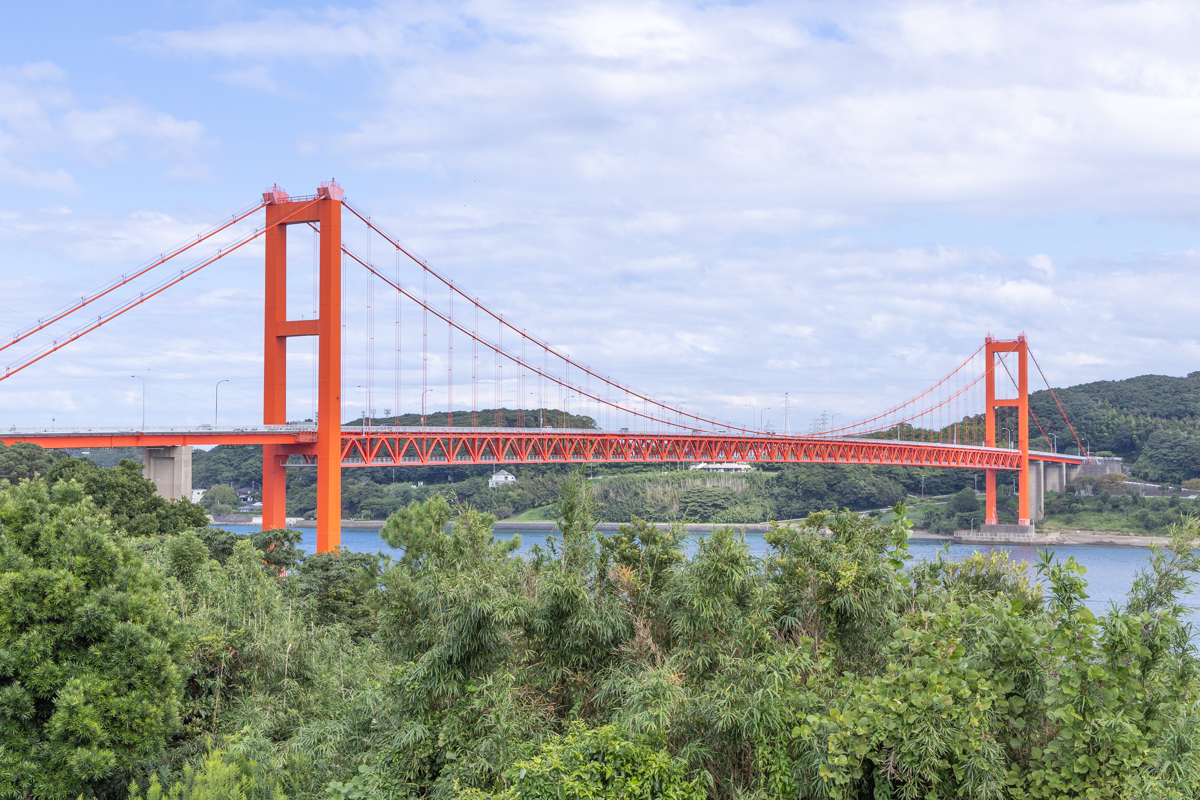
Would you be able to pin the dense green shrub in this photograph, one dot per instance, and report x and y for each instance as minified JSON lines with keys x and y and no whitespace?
{"x":632,"y":664}
{"x":128,"y":498}
{"x":89,"y":682}
{"x":600,"y":763}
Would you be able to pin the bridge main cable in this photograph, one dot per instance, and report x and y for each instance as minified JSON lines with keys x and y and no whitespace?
{"x":124,"y":280}
{"x":672,"y":411}
{"x":517,"y":359}
{"x":132,"y":302}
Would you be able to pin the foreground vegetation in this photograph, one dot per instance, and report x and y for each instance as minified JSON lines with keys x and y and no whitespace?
{"x":168,"y":662}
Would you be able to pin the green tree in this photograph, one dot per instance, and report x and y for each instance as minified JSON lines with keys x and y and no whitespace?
{"x":89,"y":687}
{"x":340,"y":588}
{"x":128,"y":498}
{"x":965,"y":502}
{"x":601,"y":763}
{"x":220,"y":499}
{"x":25,"y":460}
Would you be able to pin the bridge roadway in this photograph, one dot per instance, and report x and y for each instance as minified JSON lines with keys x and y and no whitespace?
{"x":411,"y":446}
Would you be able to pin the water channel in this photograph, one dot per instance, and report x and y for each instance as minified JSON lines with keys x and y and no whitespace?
{"x":1110,"y":574}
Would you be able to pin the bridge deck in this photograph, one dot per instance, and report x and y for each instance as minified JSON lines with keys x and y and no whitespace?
{"x":404,"y":446}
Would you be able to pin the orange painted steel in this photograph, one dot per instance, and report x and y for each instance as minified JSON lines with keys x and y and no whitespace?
{"x":85,"y":441}
{"x":326,"y":213}
{"x":467,"y":446}
{"x":330,"y":447}
{"x":1020,"y":347}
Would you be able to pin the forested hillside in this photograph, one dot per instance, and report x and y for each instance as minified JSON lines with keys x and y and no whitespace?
{"x":1152,"y":421}
{"x":784,"y":492}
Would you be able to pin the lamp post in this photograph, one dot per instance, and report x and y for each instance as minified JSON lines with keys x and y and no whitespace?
{"x":1009,"y":431}
{"x":760,"y":413}
{"x":1089,"y":447}
{"x":1055,"y":435}
{"x":567,"y":409}
{"x":679,"y":410}
{"x":366,"y":405}
{"x":752,"y":412}
{"x":541,"y":422}
{"x":427,"y":391}
{"x":217,"y":401}
{"x":143,"y":380}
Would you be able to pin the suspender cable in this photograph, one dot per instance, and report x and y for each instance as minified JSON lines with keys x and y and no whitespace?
{"x":424,"y":343}
{"x":397,"y":410}
{"x":370,"y":385}
{"x":499,"y":377}
{"x":474,"y":367}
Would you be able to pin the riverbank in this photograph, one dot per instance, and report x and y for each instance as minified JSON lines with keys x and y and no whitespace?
{"x":1073,"y":537}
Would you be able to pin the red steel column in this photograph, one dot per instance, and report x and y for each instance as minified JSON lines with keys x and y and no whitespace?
{"x":1023,"y":516}
{"x":991,"y":517}
{"x":274,"y":485}
{"x":274,"y":512}
{"x":329,"y":378}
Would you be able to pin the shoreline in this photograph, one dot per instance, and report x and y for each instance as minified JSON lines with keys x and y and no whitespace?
{"x":1072,"y":537}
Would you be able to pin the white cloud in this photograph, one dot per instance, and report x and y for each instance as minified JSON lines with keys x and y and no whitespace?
{"x":715,"y":202}
{"x":41,"y":121}
{"x":1042,"y":262}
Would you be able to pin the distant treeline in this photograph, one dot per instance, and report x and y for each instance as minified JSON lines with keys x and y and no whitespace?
{"x":621,"y":491}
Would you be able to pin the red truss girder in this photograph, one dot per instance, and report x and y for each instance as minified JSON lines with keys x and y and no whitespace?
{"x":385,"y":448}
{"x":371,"y":448}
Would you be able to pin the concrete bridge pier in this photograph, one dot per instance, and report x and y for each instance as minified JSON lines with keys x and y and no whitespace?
{"x":1037,"y":490}
{"x":171,"y":470}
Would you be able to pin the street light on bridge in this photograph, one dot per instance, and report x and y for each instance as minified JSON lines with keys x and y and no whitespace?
{"x":143,"y":380}
{"x":427,"y":391}
{"x":216,"y":401}
{"x":541,"y":421}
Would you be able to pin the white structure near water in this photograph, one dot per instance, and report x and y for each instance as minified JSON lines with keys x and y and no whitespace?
{"x":722,"y":466}
{"x":501,"y":478}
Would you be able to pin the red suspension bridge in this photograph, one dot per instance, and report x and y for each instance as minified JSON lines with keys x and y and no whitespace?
{"x":956,"y":423}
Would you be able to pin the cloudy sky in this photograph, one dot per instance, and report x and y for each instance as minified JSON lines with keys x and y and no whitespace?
{"x":716,"y":203}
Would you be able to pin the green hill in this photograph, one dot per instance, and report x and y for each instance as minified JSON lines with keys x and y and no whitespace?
{"x":1152,"y":421}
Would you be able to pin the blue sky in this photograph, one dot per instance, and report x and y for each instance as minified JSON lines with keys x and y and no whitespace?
{"x":716,"y":203}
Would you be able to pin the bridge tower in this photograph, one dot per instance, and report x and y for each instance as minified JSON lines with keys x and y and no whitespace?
{"x":325,"y":211}
{"x":993,"y":348}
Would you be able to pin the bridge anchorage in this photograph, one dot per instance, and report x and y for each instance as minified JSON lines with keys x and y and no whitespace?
{"x":956,"y":423}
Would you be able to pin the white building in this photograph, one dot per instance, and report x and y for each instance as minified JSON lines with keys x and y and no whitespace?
{"x":501,"y":478}
{"x":198,"y":495}
{"x":722,"y":466}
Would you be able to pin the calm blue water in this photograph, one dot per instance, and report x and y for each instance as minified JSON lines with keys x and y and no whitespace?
{"x":1110,"y":574}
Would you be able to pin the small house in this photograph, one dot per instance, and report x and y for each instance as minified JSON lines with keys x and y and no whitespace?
{"x":722,"y":466}
{"x":501,"y":478}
